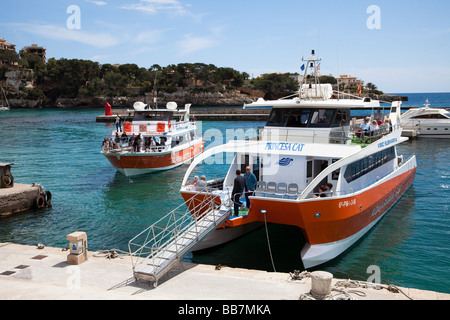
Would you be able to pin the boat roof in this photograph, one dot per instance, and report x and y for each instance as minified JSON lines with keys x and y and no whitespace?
{"x":366,"y":103}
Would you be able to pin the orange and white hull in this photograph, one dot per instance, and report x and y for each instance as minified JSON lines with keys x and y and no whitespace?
{"x":133,"y":164}
{"x":330,"y":225}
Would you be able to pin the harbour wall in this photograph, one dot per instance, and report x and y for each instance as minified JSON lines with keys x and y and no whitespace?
{"x":201,"y":99}
{"x":20,"y":198}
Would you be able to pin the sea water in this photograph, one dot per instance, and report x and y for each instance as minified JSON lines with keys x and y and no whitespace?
{"x":60,"y":149}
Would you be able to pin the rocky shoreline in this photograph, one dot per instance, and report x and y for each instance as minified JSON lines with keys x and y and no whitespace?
{"x":203,"y":99}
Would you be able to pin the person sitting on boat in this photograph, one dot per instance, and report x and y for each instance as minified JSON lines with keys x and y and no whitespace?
{"x":117,"y":138}
{"x":239,"y":188}
{"x":389,"y":123}
{"x":374,"y":128}
{"x":124,"y":138}
{"x":364,"y":128}
{"x":250,"y":180}
{"x":131,"y":141}
{"x":105,"y":145}
{"x":328,"y":189}
{"x":194,"y":183}
{"x":321,"y":193}
{"x":201,"y":184}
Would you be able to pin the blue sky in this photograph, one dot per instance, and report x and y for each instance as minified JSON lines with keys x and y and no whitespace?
{"x":410,"y":52}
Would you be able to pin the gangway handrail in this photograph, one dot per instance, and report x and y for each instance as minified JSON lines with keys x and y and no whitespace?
{"x":166,"y":238}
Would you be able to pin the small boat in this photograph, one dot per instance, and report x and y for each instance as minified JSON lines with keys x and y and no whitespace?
{"x":155,"y":140}
{"x":428,"y":122}
{"x":309,"y":141}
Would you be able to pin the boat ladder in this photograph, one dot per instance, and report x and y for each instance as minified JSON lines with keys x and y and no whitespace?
{"x":161,"y":246}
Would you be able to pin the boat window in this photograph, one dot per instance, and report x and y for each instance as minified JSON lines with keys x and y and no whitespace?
{"x":322,"y":118}
{"x":364,"y":166}
{"x":341,"y":119}
{"x":152,"y":116}
{"x":278,"y":117}
{"x":300,"y":118}
{"x":430,"y":116}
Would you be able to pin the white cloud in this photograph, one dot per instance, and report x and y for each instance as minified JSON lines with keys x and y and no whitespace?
{"x":98,"y":3}
{"x":99,"y":40}
{"x":192,"y":44}
{"x":154,"y":6}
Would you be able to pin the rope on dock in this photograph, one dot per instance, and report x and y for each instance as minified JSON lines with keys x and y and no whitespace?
{"x":110,"y":254}
{"x":340,"y":289}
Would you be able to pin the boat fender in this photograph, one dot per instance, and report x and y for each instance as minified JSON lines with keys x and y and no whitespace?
{"x":48,"y":198}
{"x":40,"y":201}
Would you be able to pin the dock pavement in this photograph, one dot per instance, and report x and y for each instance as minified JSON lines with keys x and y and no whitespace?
{"x":42,"y":273}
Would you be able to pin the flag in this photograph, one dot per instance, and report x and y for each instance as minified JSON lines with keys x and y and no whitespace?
{"x":318,"y":67}
{"x":359,"y":90}
{"x":303,"y":67}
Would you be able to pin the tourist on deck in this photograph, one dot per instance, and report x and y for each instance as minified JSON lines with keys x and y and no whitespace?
{"x":364,"y":128}
{"x":137,"y":143}
{"x":321,"y":193}
{"x":389,"y":123}
{"x":124,"y":138}
{"x":118,"y":123}
{"x":374,"y":127}
{"x":328,"y":189}
{"x":193,"y":184}
{"x":239,"y":188}
{"x":250,"y":180}
{"x":201,"y":184}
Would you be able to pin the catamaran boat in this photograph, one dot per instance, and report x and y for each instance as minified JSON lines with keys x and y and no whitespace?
{"x":428,"y":122}
{"x":167,"y":139}
{"x":309,"y":142}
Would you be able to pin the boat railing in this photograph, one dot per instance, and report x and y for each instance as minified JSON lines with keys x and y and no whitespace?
{"x":368,"y":137}
{"x":124,"y":147}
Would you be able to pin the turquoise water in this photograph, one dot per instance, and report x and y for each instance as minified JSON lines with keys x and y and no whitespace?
{"x":60,"y":150}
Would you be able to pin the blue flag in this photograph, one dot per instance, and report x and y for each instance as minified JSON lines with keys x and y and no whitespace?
{"x":303,"y":67}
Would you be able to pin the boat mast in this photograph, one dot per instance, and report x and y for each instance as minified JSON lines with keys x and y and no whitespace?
{"x":311,"y":63}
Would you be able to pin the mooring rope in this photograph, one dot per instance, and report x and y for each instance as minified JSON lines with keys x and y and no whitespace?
{"x":268,"y":242}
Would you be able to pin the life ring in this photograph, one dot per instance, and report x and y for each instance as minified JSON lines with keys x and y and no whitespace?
{"x":48,"y":198}
{"x":40,"y":201}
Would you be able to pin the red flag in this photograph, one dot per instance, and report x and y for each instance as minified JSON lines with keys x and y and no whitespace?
{"x":108,"y":111}
{"x":360,"y":90}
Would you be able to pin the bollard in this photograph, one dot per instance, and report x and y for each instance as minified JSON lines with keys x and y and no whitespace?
{"x":78,"y":248}
{"x":321,"y":284}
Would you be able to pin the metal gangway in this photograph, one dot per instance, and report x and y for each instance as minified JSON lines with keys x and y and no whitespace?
{"x":161,"y":246}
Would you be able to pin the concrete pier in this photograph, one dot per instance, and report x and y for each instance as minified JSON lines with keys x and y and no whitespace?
{"x":19,"y":198}
{"x":29,"y":273}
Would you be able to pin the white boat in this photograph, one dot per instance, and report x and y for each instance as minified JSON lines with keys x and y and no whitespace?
{"x":168,"y":140}
{"x":309,"y":141}
{"x":428,"y":122}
